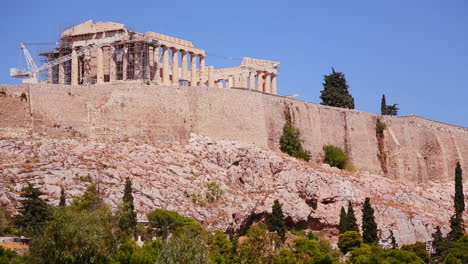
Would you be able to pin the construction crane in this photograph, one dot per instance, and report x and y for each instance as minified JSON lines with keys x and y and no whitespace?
{"x":33,"y":71}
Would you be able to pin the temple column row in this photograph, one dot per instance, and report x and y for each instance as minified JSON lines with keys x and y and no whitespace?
{"x":266,"y":82}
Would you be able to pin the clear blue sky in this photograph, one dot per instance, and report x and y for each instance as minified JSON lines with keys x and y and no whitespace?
{"x":416,"y":52}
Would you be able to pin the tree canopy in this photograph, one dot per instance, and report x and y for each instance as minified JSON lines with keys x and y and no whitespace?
{"x":335,"y":91}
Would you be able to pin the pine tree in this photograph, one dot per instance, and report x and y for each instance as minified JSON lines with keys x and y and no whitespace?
{"x":369,"y":227}
{"x":383,"y":106}
{"x":438,"y":242}
{"x":277,"y":220}
{"x":459,"y":199}
{"x":34,"y":210}
{"x":343,"y":227}
{"x":335,"y":91}
{"x":128,"y":221}
{"x":351,"y":219}
{"x":392,"y":238}
{"x":63,"y":201}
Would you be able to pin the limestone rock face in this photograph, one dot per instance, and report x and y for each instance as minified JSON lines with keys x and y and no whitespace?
{"x":176,"y":178}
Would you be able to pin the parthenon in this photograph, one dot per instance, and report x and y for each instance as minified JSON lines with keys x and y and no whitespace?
{"x":107,"y":52}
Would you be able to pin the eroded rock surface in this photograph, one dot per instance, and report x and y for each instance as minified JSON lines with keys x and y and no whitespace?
{"x":176,"y":178}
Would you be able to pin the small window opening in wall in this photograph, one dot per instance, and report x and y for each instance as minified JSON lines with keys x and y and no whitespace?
{"x":106,"y":78}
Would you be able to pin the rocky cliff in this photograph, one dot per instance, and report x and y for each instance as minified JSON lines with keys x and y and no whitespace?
{"x":411,"y":149}
{"x":175,"y":177}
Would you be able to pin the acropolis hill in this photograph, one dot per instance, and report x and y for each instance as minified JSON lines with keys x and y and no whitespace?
{"x":115,"y":105}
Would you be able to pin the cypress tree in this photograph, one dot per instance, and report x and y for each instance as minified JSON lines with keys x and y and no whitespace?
{"x":343,"y":227}
{"x":369,"y":227}
{"x":128,"y":221}
{"x":277,"y":220}
{"x":351,"y":219}
{"x":383,"y":106}
{"x":438,"y":242}
{"x":63,"y":201}
{"x":457,"y":227}
{"x":459,"y":199}
{"x":335,"y":91}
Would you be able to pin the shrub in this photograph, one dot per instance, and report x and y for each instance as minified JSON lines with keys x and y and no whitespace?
{"x":380,"y":128}
{"x":419,"y":248}
{"x":23,"y":97}
{"x":290,"y":143}
{"x":335,"y":156}
{"x":214,"y":192}
{"x":349,"y":240}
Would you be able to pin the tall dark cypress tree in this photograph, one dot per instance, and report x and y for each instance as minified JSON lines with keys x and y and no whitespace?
{"x":438,"y":242}
{"x":383,"y":106}
{"x":351,"y":219}
{"x":277,"y":220}
{"x":128,"y":221}
{"x":335,"y":91}
{"x":63,"y":201}
{"x":457,"y":227}
{"x":369,"y":227}
{"x":343,"y":227}
{"x":459,"y":199}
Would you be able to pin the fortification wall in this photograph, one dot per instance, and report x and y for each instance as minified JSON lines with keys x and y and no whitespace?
{"x":416,"y":149}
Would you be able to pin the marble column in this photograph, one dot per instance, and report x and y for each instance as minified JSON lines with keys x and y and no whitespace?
{"x":202,"y":71}
{"x":99,"y":66}
{"x":74,"y":68}
{"x":260,"y":82}
{"x":157,"y":66}
{"x":244,"y":76}
{"x":210,"y":76}
{"x":193,"y":70}
{"x":112,"y":65}
{"x":61,"y":73}
{"x":175,"y":66}
{"x":252,"y":81}
{"x":229,"y":82}
{"x":184,"y":72}
{"x":124,"y":62}
{"x":165,"y":73}
{"x":268,"y":83}
{"x":274,"y":88}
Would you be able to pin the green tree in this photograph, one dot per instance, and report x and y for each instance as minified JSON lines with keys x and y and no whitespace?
{"x":349,"y":240}
{"x":290,"y":142}
{"x":63,"y":201}
{"x":459,"y":249}
{"x":171,"y":222}
{"x":89,"y":201}
{"x":5,"y":221}
{"x":335,"y":156}
{"x":74,"y":237}
{"x":351,"y":219}
{"x":383,"y":106}
{"x":259,"y":247}
{"x":128,"y":221}
{"x":6,"y":255}
{"x":34,"y":211}
{"x":419,"y":249}
{"x":457,"y":227}
{"x":343,"y":226}
{"x":277,"y":220}
{"x":438,"y":242}
{"x":450,"y":259}
{"x":392,"y":110}
{"x":369,"y":227}
{"x":459,"y":200}
{"x":335,"y":91}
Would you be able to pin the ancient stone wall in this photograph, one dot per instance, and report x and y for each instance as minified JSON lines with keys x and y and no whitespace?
{"x":416,"y":149}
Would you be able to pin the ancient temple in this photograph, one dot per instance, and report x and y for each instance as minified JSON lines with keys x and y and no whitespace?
{"x":107,"y":52}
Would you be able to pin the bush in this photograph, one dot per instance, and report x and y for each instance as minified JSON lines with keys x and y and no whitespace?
{"x":380,"y":128}
{"x":419,"y":248}
{"x":214,"y":192}
{"x":290,"y":143}
{"x":335,"y":156}
{"x":349,"y":240}
{"x":172,"y":222}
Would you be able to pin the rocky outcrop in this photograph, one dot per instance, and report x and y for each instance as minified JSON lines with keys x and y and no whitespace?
{"x":176,"y":178}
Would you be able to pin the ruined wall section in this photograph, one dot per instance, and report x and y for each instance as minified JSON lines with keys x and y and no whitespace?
{"x":15,"y":118}
{"x":417,"y":150}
